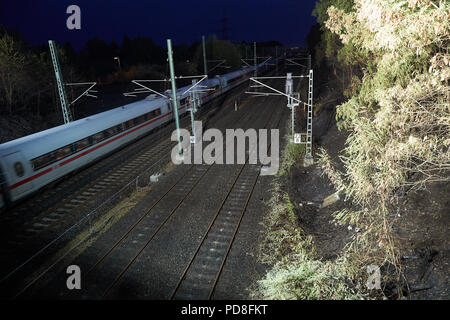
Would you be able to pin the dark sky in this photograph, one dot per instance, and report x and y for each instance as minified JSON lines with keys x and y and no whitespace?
{"x":287,"y":21}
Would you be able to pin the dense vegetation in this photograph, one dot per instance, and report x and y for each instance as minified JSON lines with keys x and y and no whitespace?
{"x":392,"y":59}
{"x":397,"y":112}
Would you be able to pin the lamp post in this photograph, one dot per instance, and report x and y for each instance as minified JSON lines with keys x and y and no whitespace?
{"x":118,"y":61}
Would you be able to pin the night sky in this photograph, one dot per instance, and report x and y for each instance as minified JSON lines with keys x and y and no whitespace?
{"x":287,"y":21}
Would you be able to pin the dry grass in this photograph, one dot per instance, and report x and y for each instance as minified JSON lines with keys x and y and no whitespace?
{"x":296,"y":270}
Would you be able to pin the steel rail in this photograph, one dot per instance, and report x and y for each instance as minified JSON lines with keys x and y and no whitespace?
{"x":113,"y":283}
{"x":237,"y":228}
{"x":65,"y":232}
{"x":182,"y":277}
{"x":106,"y":292}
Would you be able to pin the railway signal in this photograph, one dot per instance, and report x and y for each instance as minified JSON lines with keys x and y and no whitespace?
{"x":293,"y":100}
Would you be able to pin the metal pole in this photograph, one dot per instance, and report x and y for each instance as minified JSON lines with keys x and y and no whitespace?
{"x":193,"y":108}
{"x":255,"y":73}
{"x":292,"y":117}
{"x":289,"y":92}
{"x":205,"y":66}
{"x":276,"y":57}
{"x":67,"y":115}
{"x":174,"y":93}
{"x":309,"y":62}
{"x":310,"y":115}
{"x":254,"y":58}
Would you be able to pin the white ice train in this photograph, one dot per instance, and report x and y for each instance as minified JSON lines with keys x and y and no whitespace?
{"x":31,"y":162}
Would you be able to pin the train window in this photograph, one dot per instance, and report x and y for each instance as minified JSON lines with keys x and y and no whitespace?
{"x":157,"y":112}
{"x":43,"y":161}
{"x":37,"y":163}
{"x":169,"y":106}
{"x":96,"y":138}
{"x":61,"y":153}
{"x":109,"y":132}
{"x":139,"y":120}
{"x":128,"y":124}
{"x":49,"y":158}
{"x":80,"y":145}
{"x":18,"y":167}
{"x":106,"y":134}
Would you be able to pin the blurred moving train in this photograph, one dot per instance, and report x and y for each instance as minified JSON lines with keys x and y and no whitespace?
{"x":31,"y":162}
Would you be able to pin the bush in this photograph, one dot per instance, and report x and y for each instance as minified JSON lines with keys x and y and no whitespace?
{"x":398,"y":115}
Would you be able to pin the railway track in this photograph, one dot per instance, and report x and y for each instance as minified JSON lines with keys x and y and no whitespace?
{"x":29,"y":238}
{"x":245,"y":178}
{"x":204,"y":169}
{"x":47,"y":214}
{"x":177,"y":190}
{"x":153,"y":220}
{"x":131,"y":244}
{"x":200,"y":277}
{"x":112,"y":265}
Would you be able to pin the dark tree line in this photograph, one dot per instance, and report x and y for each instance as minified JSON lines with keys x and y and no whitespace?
{"x":27,"y":80}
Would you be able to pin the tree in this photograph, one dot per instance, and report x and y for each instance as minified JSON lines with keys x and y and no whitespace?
{"x":218,"y":50}
{"x":97,"y":57}
{"x":12,"y":71}
{"x":398,"y":112}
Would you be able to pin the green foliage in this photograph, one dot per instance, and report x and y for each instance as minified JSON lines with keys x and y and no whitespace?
{"x":218,"y":50}
{"x":291,"y":155}
{"x":24,"y":76}
{"x":27,"y":82}
{"x":397,"y":112}
{"x":321,"y":9}
{"x":12,"y":65}
{"x":330,"y":45}
{"x":307,"y":279}
{"x":296,"y":272}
